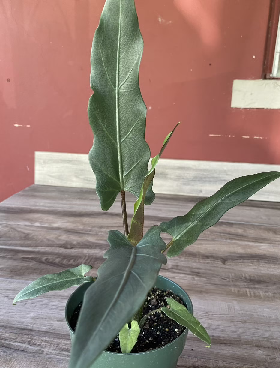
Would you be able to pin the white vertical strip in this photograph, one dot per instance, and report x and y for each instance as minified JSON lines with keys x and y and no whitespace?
{"x":275,"y":67}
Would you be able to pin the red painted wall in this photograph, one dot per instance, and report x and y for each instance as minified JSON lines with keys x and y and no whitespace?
{"x":194,"y":49}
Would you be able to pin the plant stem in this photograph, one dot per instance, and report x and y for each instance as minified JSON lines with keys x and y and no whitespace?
{"x":124,"y":213}
{"x":168,"y":246}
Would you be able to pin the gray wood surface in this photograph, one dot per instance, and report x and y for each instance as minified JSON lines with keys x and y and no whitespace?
{"x":232,"y":275}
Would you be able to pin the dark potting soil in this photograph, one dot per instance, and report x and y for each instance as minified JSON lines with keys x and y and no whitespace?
{"x":158,"y":329}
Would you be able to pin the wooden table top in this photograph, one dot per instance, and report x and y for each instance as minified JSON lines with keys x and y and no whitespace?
{"x":232,"y":274}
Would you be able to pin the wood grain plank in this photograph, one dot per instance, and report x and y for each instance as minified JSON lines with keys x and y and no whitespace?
{"x":231,"y":273}
{"x":84,"y":200}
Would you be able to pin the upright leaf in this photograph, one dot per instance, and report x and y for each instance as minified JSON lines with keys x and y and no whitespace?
{"x":56,"y":281}
{"x":128,"y":336}
{"x":137,"y":223}
{"x":186,"y":229}
{"x":181,"y":315}
{"x":122,"y":284}
{"x":117,"y":113}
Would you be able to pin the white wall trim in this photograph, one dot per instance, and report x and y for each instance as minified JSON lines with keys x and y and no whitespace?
{"x":256,"y":94}
{"x":197,"y":178}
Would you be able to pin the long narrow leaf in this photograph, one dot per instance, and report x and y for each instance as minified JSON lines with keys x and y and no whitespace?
{"x":117,"y":113}
{"x":137,"y":223}
{"x":186,"y":229}
{"x":56,"y":281}
{"x":181,"y":315}
{"x":123,"y":282}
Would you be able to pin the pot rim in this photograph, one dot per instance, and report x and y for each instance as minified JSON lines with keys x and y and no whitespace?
{"x":148,"y":351}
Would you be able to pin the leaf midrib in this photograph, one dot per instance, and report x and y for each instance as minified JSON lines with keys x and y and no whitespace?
{"x":53,"y":283}
{"x":198,"y":332}
{"x":117,"y":103}
{"x":119,"y":291}
{"x":211,"y":207}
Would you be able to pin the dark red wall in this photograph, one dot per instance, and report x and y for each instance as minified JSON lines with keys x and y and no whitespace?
{"x":194,"y":49}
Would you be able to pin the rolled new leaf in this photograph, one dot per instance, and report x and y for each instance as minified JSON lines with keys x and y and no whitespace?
{"x":181,"y":315}
{"x":123,"y":282}
{"x":186,"y":229}
{"x":137,"y":223}
{"x":117,"y":113}
{"x":150,"y":195}
{"x":56,"y":281}
{"x":128,"y":336}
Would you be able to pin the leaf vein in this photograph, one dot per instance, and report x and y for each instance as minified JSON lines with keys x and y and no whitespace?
{"x":131,"y":129}
{"x":105,"y":129}
{"x":129,"y":73}
{"x":119,"y":291}
{"x":52,"y":283}
{"x":135,"y":274}
{"x":104,"y":172}
{"x":125,"y":174}
{"x":107,"y":75}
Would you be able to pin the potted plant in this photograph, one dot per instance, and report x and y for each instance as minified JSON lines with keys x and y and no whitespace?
{"x":114,"y":306}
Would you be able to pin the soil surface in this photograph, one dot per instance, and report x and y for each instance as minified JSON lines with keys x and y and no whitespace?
{"x":158,"y":329}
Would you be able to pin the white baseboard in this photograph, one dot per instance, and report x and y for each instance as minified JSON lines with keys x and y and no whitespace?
{"x":185,"y":177}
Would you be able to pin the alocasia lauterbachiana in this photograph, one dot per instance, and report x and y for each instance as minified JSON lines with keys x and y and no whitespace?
{"x":119,"y":158}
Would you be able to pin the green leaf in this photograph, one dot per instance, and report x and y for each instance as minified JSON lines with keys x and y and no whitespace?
{"x":137,"y":223}
{"x":150,"y":195}
{"x":186,"y":229}
{"x":123,"y":282}
{"x":117,"y":112}
{"x":128,"y":337}
{"x":181,"y":315}
{"x":57,"y":281}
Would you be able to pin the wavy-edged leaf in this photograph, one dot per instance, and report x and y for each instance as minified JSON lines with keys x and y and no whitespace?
{"x":128,"y":336}
{"x":123,"y":282}
{"x":117,"y":113}
{"x":186,"y":229}
{"x":181,"y":315}
{"x":137,"y":223}
{"x":56,"y":281}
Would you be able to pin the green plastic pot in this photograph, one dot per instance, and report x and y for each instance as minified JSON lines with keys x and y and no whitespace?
{"x":164,"y":357}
